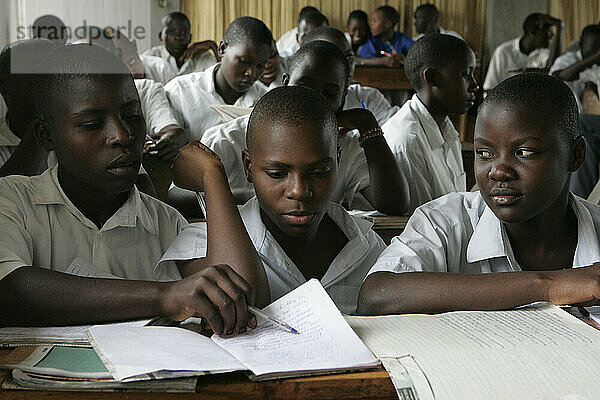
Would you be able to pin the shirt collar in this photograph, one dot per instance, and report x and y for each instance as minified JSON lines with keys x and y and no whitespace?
{"x":355,"y":229}
{"x":434,"y":135}
{"x":49,"y":191}
{"x":488,"y":239}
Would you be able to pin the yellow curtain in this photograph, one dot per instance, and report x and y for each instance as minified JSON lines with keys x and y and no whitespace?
{"x":576,"y":14}
{"x":210,"y":18}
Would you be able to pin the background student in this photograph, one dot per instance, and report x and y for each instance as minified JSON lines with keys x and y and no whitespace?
{"x":176,"y":49}
{"x":357,"y":29}
{"x":521,"y":238}
{"x":308,"y":18}
{"x":384,"y":38}
{"x":87,"y":210}
{"x":426,"y":21}
{"x":528,"y":53}
{"x":291,"y":159}
{"x":245,"y":50}
{"x":274,"y":69}
{"x":422,"y":138}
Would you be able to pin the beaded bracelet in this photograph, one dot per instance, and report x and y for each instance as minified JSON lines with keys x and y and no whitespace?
{"x":371,"y":133}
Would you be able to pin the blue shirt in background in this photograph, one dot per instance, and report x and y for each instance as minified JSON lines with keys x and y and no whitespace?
{"x":374,"y":45}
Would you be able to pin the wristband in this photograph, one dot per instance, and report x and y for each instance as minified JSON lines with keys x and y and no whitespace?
{"x":371,"y":133}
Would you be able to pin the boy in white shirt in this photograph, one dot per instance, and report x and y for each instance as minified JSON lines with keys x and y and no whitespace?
{"x":176,"y":50}
{"x":86,"y":210}
{"x":245,"y":50}
{"x":421,"y":136}
{"x":528,"y":53}
{"x":368,"y":170}
{"x":308,"y":19}
{"x":291,"y":159}
{"x":521,"y":238}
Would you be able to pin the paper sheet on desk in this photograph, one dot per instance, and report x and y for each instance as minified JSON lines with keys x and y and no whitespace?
{"x":535,"y":352}
{"x":325,"y":341}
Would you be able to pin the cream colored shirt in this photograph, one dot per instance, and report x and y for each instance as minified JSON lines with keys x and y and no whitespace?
{"x":430,"y":156}
{"x":442,"y":31}
{"x":192,"y":95}
{"x":507,"y":60}
{"x":155,"y":105}
{"x":288,"y":39}
{"x":374,"y":101}
{"x":343,"y":278}
{"x":196,"y":64}
{"x":158,"y":69}
{"x":40,"y":227}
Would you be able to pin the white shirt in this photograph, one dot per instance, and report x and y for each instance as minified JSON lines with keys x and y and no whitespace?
{"x":374,"y":100}
{"x":289,"y":51}
{"x":155,"y":105}
{"x":343,"y":278}
{"x":429,"y":156}
{"x":157,"y":69}
{"x":40,"y":226}
{"x":229,"y":139}
{"x":8,"y":140}
{"x":192,"y":95}
{"x":459,"y":233}
{"x":565,"y":61}
{"x":442,"y":31}
{"x":288,"y":39}
{"x":196,"y":64}
{"x":508,"y":59}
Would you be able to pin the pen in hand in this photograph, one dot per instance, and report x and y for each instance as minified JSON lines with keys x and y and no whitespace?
{"x":274,"y":320}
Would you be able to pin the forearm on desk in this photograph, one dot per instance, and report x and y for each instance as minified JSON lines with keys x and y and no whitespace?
{"x":435,"y":292}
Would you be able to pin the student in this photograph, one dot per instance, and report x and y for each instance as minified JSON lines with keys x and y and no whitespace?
{"x":426,"y":21}
{"x":357,"y":95}
{"x":514,"y":241}
{"x":366,"y":170}
{"x":176,"y":49}
{"x":245,"y":50}
{"x":20,"y":152}
{"x":357,"y":29}
{"x":291,"y":159}
{"x":52,"y":28}
{"x":274,"y":69}
{"x":424,"y":141}
{"x":528,"y":53}
{"x":87,"y":210}
{"x":570,"y":65}
{"x":383,"y":38}
{"x":308,"y":18}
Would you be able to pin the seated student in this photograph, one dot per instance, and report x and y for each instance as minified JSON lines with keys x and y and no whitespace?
{"x":308,"y":18}
{"x":20,"y":152}
{"x":424,"y":141}
{"x":514,"y":241}
{"x":357,"y":29}
{"x":357,"y":95}
{"x":384,"y":46}
{"x":176,"y":49}
{"x":274,"y":69}
{"x":291,"y":159}
{"x":426,"y":21}
{"x":528,"y":53}
{"x":570,"y":65}
{"x":50,"y":27}
{"x":87,"y":207}
{"x":366,"y":165}
{"x":245,"y":50}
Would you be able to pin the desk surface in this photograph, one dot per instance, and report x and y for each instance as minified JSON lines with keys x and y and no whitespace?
{"x":358,"y":385}
{"x":382,"y":77}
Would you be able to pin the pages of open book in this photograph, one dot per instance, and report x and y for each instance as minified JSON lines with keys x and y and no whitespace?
{"x":325,"y":341}
{"x":534,"y":352}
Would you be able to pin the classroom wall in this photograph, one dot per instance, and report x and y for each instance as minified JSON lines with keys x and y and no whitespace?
{"x":576,"y":14}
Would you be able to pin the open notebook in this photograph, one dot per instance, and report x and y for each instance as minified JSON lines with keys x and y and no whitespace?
{"x":325,"y":343}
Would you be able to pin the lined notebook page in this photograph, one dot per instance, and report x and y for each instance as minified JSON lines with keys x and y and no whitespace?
{"x":533,"y":352}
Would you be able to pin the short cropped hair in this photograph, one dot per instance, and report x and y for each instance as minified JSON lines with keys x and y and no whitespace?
{"x":430,"y":10}
{"x":166,"y":20}
{"x":291,"y":106}
{"x":432,"y":50}
{"x":72,"y":62}
{"x":248,"y":30}
{"x":50,"y":27}
{"x":389,"y":13}
{"x":322,"y":33}
{"x":306,"y":11}
{"x":537,"y":93}
{"x":319,"y":52}
{"x":530,"y":23}
{"x":588,"y":32}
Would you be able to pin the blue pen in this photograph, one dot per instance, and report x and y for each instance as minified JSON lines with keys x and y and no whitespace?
{"x":363,"y":104}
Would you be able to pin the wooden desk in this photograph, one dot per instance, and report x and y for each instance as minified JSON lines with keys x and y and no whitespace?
{"x":382,"y":77}
{"x":358,"y":385}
